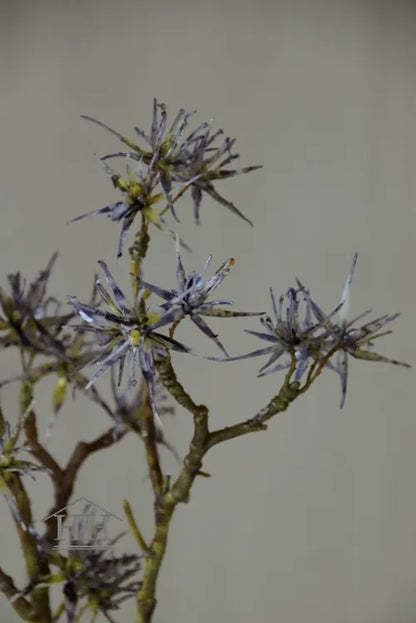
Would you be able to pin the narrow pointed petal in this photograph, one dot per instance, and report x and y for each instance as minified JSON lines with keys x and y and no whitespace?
{"x":180,"y":271}
{"x":202,"y":325}
{"x":92,"y":213}
{"x":121,"y":300}
{"x":124,"y":229}
{"x":254,"y":353}
{"x":346,"y":294}
{"x":209,"y":188}
{"x":122,"y":138}
{"x":342,"y":368}
{"x":278,"y":368}
{"x":263,"y":336}
{"x":167,"y":295}
{"x":196,"y":194}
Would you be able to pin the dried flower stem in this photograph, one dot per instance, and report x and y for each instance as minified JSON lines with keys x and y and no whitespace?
{"x":35,"y":565}
{"x":38,"y":451}
{"x":148,"y":434}
{"x":134,"y":527}
{"x":64,"y":487}
{"x":21,"y":605}
{"x":138,"y":253}
{"x":201,"y":442}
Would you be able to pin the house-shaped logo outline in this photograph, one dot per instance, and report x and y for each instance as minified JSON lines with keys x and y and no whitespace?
{"x":89,"y":504}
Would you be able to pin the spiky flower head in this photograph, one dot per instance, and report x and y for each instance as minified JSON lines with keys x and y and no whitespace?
{"x":190,"y":161}
{"x":124,"y":331}
{"x":94,"y":576}
{"x":28,"y":318}
{"x":9,"y":449}
{"x":290,"y":333}
{"x":139,"y":196}
{"x":301,"y":331}
{"x":190,"y":298}
{"x":345,"y":339}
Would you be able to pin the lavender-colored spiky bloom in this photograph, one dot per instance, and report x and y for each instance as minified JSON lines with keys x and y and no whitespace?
{"x":317,"y":336}
{"x":190,"y":298}
{"x":351,"y":341}
{"x":123,"y":332}
{"x":26,"y":316}
{"x":288,"y":334}
{"x":190,"y":161}
{"x":9,"y":462}
{"x":99,"y":576}
{"x":138,"y":196}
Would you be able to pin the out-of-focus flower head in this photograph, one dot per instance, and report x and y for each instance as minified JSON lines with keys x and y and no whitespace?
{"x":190,"y":160}
{"x":32,"y":322}
{"x":289,"y":333}
{"x":347,"y":340}
{"x":9,"y":462}
{"x":28,"y":318}
{"x":93,"y":572}
{"x":130,"y":407}
{"x":125,"y":331}
{"x":190,"y":298}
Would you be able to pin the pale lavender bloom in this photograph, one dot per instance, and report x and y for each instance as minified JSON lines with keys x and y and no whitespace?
{"x":29,"y":318}
{"x":288,"y":334}
{"x":97,"y":574}
{"x":190,"y":161}
{"x":190,"y":298}
{"x":9,"y":462}
{"x":346,"y":340}
{"x":137,"y":197}
{"x":124,"y":332}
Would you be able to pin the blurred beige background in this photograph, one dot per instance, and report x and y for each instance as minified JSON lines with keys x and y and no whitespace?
{"x":315,"y":520}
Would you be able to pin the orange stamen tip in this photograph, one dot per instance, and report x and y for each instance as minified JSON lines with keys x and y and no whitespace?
{"x":231,"y":262}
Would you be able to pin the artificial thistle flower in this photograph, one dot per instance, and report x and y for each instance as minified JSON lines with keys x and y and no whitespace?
{"x":9,"y":462}
{"x":316,"y":337}
{"x":138,"y":197}
{"x":125,"y":331}
{"x":28,"y":318}
{"x":342,"y":337}
{"x":288,"y":334}
{"x":129,"y":409}
{"x":190,"y":160}
{"x":32,"y":322}
{"x":94,"y":575}
{"x":190,"y":298}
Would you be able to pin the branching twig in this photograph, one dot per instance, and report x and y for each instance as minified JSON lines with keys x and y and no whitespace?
{"x":66,"y":484}
{"x":38,"y":451}
{"x":134,"y":527}
{"x":21,"y":605}
{"x":148,"y":434}
{"x":36,"y":566}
